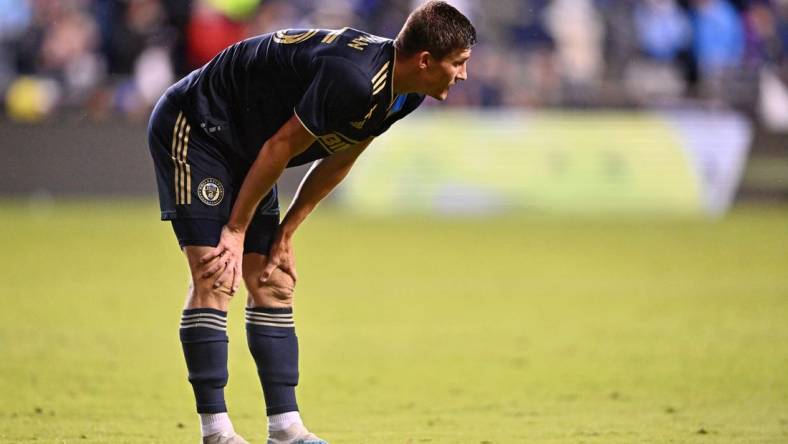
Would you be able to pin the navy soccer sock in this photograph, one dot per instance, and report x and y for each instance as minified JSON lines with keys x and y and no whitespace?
{"x":204,"y":340}
{"x":274,"y":346}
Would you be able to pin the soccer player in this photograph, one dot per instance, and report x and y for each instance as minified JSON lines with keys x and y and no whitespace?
{"x":221,"y":137}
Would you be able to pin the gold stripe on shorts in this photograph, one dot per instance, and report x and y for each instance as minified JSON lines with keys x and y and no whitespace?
{"x":179,"y":163}
{"x":185,"y":169}
{"x":173,"y":154}
{"x":182,"y":175}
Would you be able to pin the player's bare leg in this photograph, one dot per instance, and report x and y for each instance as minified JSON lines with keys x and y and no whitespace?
{"x":272,"y":341}
{"x":204,"y":338}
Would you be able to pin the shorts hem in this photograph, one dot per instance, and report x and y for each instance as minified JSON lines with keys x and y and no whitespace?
{"x":198,"y":242}
{"x":262,"y":251}
{"x":173,"y":215}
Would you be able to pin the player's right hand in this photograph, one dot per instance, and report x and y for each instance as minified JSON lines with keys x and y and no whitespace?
{"x":227,"y":258}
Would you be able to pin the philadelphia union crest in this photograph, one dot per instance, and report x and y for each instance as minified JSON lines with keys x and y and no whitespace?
{"x":210,"y":191}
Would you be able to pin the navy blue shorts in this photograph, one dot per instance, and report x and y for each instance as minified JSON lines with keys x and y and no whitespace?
{"x":197,"y":183}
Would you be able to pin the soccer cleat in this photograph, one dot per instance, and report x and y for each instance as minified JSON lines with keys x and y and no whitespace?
{"x":224,"y":438}
{"x":295,"y":434}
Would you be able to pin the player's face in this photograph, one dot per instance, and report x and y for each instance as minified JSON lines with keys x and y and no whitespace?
{"x":442,"y":74}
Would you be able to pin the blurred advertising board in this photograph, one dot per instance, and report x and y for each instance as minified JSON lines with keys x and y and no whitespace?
{"x":684,"y":162}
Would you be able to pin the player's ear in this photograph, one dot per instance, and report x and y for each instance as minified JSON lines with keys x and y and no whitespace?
{"x":424,"y":59}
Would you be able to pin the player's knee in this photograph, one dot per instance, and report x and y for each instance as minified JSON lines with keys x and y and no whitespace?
{"x":205,"y":294}
{"x":278,"y":289}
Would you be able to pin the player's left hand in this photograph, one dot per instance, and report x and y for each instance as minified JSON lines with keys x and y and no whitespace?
{"x":282,"y":256}
{"x":229,"y":254}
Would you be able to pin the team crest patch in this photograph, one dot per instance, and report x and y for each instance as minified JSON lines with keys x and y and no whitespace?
{"x":210,"y":191}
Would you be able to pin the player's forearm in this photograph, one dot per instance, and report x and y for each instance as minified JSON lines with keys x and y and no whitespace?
{"x":291,"y":139}
{"x":319,"y":182}
{"x":261,"y":177}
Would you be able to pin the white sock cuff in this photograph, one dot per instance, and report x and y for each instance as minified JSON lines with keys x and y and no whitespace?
{"x":283,"y":421}
{"x":212,"y":423}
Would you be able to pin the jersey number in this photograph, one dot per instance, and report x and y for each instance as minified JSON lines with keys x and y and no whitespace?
{"x":284,"y":38}
{"x":289,"y":39}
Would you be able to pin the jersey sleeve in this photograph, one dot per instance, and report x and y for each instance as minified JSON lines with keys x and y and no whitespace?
{"x":337,"y":94}
{"x":408,"y":105}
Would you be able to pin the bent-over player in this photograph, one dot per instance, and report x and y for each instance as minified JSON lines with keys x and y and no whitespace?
{"x":221,"y":137}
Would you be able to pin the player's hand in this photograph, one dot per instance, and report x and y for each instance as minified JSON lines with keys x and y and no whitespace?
{"x":225,"y":260}
{"x":282,"y":256}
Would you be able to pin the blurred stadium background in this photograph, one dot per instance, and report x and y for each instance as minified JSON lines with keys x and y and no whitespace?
{"x":698,"y":89}
{"x":610,"y":185}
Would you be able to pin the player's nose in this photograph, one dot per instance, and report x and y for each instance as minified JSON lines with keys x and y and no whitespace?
{"x":462,"y":74}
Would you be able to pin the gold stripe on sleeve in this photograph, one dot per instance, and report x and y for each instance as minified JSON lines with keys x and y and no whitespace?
{"x":379,"y":88}
{"x":380,"y":82}
{"x":381,"y":72}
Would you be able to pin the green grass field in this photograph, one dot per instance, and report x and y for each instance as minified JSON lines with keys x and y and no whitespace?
{"x":516,"y":329}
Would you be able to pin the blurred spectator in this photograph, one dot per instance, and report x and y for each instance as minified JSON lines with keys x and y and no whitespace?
{"x":578,"y":32}
{"x":620,"y":36}
{"x":69,"y":53}
{"x":528,"y":31}
{"x":664,"y":35}
{"x":767,"y":42}
{"x":15,"y":17}
{"x":718,"y":36}
{"x":761,"y":44}
{"x":780,"y":46}
{"x":177,"y":16}
{"x":663,"y":28}
{"x":110,"y":57}
{"x":782,"y":30}
{"x":136,"y":25}
{"x":209,"y":32}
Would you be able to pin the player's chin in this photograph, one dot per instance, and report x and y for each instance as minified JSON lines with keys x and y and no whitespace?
{"x":441,"y":95}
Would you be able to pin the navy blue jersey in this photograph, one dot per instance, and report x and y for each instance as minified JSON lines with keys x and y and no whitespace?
{"x":339,"y":83}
